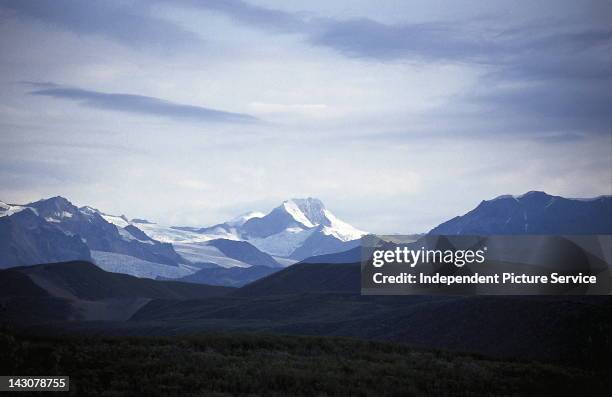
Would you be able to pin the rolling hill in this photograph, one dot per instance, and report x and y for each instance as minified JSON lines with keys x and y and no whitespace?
{"x":78,"y":290}
{"x":569,"y":329}
{"x":307,"y":278}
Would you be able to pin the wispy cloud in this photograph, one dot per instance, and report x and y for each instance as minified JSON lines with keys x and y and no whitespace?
{"x":255,"y":15}
{"x":128,"y":23}
{"x":458,"y":40}
{"x":566,"y":68}
{"x":143,"y":105}
{"x":572,"y":61}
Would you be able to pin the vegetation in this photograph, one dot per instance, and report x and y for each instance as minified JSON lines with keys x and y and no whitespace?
{"x":263,"y":365}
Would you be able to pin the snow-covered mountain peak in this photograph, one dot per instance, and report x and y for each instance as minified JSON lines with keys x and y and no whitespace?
{"x":296,"y":213}
{"x":310,"y":212}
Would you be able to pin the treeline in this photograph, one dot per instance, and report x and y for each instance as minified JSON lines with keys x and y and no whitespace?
{"x":263,"y":365}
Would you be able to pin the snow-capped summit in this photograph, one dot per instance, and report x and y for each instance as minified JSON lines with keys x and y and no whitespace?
{"x":311,"y":212}
{"x":303,"y":214}
{"x":291,"y":229}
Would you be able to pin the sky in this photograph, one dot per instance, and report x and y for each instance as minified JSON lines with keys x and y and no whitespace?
{"x":398,"y":115}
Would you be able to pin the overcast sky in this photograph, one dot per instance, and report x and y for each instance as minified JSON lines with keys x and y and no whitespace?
{"x":397,"y":114}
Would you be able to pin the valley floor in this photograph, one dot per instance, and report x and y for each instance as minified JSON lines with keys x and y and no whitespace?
{"x":264,"y":365}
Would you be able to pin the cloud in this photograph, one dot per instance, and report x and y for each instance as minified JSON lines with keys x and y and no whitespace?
{"x":128,"y":23}
{"x":544,"y":67}
{"x":459,"y":40}
{"x":562,"y":102}
{"x":141,"y":104}
{"x":569,"y":59}
{"x":250,"y":14}
{"x":39,"y":84}
{"x":523,"y":50}
{"x":366,"y":38}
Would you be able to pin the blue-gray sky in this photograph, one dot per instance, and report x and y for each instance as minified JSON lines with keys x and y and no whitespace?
{"x":397,"y":114}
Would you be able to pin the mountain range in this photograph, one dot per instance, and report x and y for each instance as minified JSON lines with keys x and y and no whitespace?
{"x":319,"y":296}
{"x":296,"y":229}
{"x":54,"y":229}
{"x":533,"y":213}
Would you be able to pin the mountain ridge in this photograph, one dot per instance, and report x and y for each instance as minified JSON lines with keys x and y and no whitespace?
{"x":534,"y":212}
{"x":282,"y":232}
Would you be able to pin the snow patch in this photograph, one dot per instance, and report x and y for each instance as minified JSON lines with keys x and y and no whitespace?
{"x":340,"y":229}
{"x":10,"y":209}
{"x":168,"y":234}
{"x":506,"y":196}
{"x":119,"y":263}
{"x":118,"y":221}
{"x":203,"y":253}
